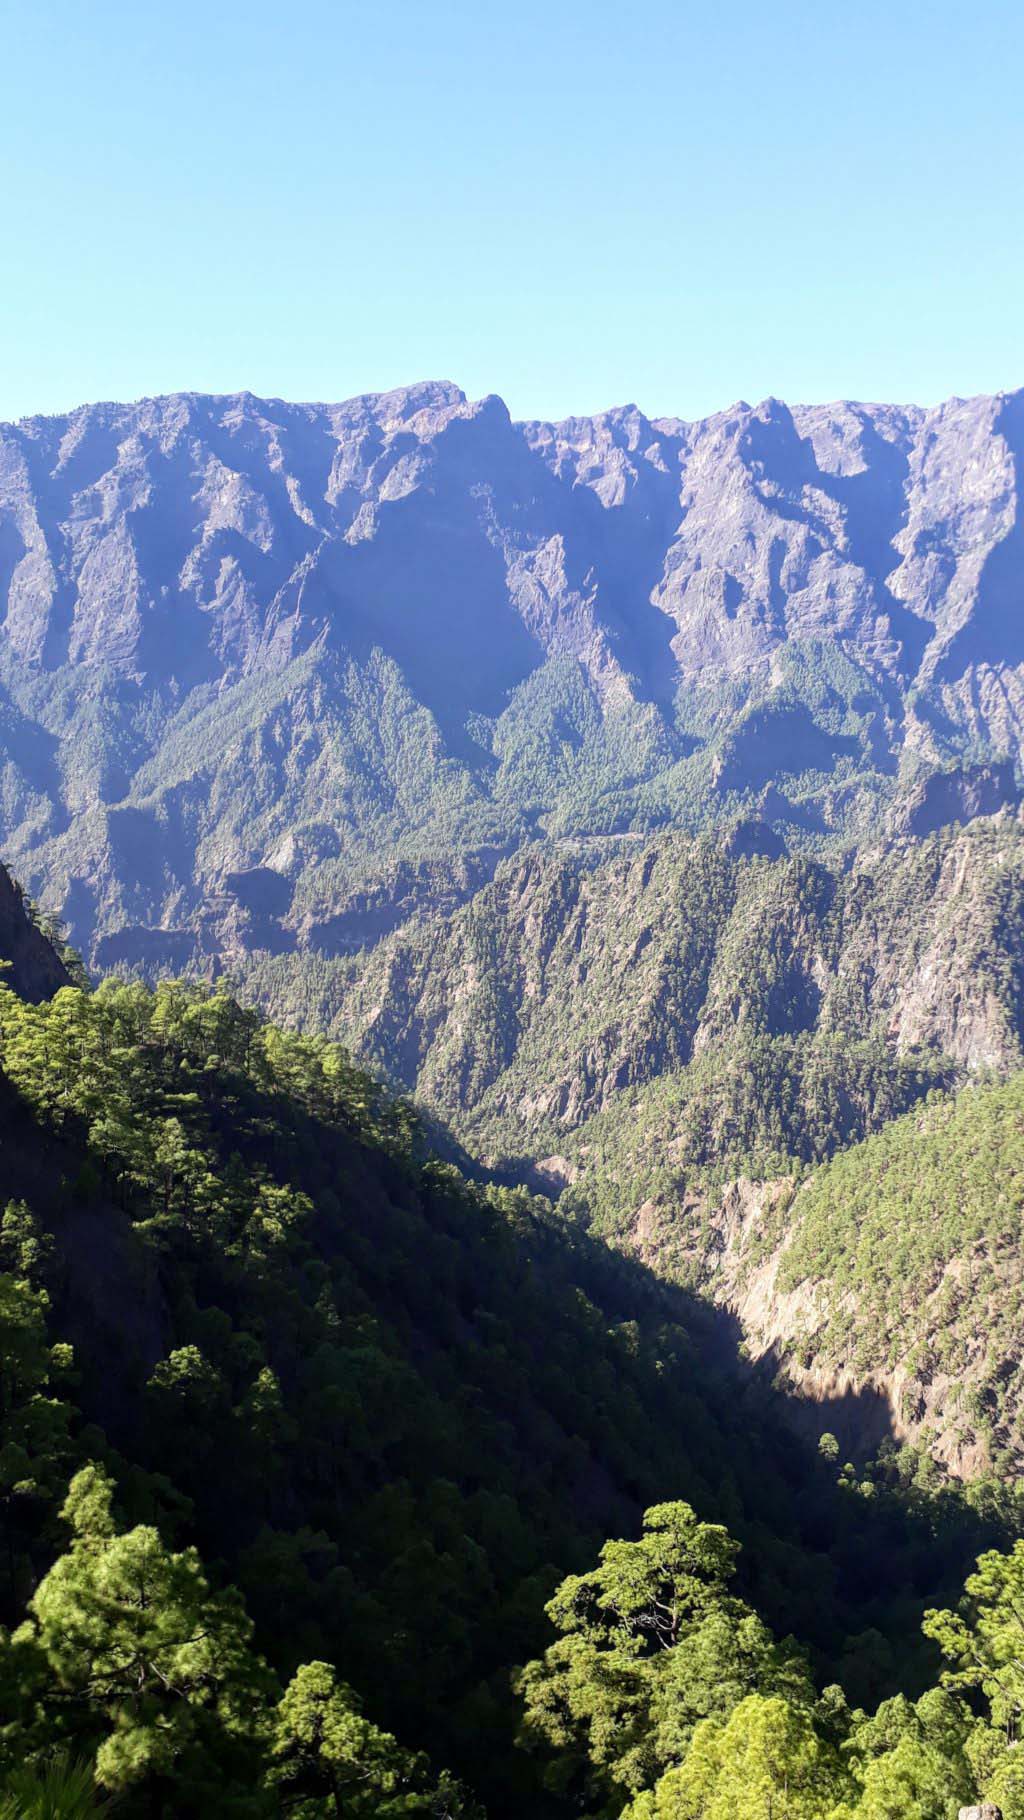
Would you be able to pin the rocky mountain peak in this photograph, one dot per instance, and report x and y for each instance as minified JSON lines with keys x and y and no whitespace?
{"x":408,"y":619}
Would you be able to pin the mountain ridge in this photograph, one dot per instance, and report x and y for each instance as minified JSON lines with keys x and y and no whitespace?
{"x":448,"y":391}
{"x":404,"y":625}
{"x":562,"y":981}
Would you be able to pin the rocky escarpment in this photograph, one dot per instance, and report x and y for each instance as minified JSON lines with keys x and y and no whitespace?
{"x":258,"y":911}
{"x":239,"y":635}
{"x":729,"y":1243}
{"x":885,"y":1287}
{"x":30,"y":963}
{"x":566,"y":985}
{"x":945,"y":797}
{"x":733,"y":1244}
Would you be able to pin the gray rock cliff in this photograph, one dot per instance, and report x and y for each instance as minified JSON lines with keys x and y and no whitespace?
{"x":236,"y":628}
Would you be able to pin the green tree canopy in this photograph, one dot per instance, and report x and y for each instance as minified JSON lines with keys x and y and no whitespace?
{"x":126,"y":1638}
{"x":652,"y":1643}
{"x":765,"y":1761}
{"x":327,"y":1758}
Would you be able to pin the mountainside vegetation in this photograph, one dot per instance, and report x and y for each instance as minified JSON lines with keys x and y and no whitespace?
{"x":640,"y":1033}
{"x":912,"y":1242}
{"x":888,"y":1275}
{"x":301,"y":1430}
{"x":678,"y":1009}
{"x":510,"y":1297}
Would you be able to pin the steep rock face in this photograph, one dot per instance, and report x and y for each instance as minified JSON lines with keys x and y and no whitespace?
{"x":958,"y":796}
{"x":733,"y":1244}
{"x":234,"y":628}
{"x":729,"y":1243}
{"x":32,"y":966}
{"x":566,"y":982}
{"x":884,"y":1287}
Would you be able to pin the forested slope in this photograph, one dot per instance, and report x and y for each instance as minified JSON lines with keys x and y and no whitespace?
{"x":889,"y":1275}
{"x":683,"y":1006}
{"x":912,"y":1242}
{"x":389,"y":1409}
{"x":334,"y":1480}
{"x":671,"y":1038}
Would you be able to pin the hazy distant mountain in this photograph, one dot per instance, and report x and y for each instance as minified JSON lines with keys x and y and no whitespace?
{"x":253,"y":650}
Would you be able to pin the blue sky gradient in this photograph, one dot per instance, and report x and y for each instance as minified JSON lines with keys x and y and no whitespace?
{"x":574,"y":205}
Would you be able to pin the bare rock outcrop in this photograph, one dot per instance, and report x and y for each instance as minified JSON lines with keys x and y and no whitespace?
{"x":945,"y":797}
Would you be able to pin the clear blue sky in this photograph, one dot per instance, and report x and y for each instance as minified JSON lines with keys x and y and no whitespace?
{"x":573,"y":204}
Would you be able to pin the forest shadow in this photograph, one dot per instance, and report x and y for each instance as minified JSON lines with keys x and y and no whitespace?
{"x":582,"y":1357}
{"x":860,"y":1418}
